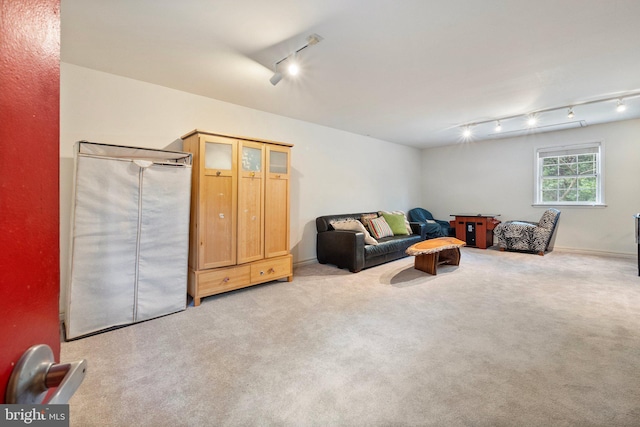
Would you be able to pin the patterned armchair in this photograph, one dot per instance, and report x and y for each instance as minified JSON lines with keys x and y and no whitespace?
{"x":528,"y":236}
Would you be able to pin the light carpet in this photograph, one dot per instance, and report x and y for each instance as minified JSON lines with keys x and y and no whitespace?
{"x":504,"y":339}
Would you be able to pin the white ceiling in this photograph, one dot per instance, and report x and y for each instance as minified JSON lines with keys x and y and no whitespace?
{"x":405,"y":71}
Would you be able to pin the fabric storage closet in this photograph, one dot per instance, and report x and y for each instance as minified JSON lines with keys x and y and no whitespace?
{"x":129,"y":236}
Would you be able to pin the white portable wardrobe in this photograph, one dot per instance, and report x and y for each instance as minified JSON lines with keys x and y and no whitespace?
{"x":129,"y":236}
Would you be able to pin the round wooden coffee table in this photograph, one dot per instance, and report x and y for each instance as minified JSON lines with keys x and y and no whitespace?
{"x":433,"y":252}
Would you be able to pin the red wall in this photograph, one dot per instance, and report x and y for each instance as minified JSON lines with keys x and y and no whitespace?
{"x":29,"y":163}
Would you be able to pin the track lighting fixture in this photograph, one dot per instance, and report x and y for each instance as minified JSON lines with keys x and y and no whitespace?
{"x":532,"y":119}
{"x":293,"y":67}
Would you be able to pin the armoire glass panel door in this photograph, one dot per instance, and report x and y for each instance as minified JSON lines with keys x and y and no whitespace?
{"x":251,"y":159}
{"x":278,"y":162}
{"x":217,"y":238}
{"x":218,"y":156}
{"x":250,"y":203}
{"x":276,"y":202}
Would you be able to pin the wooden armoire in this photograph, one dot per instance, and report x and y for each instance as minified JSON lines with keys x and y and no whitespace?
{"x":239,"y":232}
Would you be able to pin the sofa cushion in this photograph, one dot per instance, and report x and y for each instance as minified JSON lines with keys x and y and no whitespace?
{"x":406,"y":221}
{"x":323,"y":222}
{"x":354,"y":225}
{"x":396,"y":223}
{"x":365,"y":218}
{"x":392,"y":244}
{"x":379,"y":228}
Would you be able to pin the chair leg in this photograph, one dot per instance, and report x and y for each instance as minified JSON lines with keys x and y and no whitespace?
{"x":541,"y":253}
{"x":502,"y":249}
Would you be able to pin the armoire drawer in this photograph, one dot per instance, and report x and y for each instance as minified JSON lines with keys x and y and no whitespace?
{"x":222,"y":280}
{"x":271,"y":269}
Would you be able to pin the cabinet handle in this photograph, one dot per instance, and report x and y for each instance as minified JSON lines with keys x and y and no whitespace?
{"x":271,"y":270}
{"x":218,"y":173}
{"x":252,"y":174}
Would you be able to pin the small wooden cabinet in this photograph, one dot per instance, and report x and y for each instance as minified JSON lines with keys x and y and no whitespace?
{"x":475,"y":230}
{"x":239,"y":232}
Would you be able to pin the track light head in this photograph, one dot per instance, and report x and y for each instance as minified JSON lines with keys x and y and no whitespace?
{"x":621,"y":107}
{"x":532,"y":120}
{"x":498,"y":126}
{"x":570,"y":113}
{"x":275,"y":79}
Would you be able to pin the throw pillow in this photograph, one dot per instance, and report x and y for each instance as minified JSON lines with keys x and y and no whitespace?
{"x":396,"y":223}
{"x":406,"y":221}
{"x":365,"y":219}
{"x":354,"y":225}
{"x":380,"y":228}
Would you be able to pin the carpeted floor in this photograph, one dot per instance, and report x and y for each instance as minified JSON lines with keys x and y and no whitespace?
{"x":504,"y":339}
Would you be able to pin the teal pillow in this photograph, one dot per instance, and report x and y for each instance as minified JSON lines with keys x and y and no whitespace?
{"x":396,"y":223}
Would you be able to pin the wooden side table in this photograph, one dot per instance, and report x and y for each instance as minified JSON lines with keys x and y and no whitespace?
{"x":475,"y":230}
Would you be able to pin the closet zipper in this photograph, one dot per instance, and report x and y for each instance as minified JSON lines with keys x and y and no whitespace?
{"x":137,"y":272}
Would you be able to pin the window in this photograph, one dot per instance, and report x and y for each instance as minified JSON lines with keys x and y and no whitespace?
{"x":570,"y":175}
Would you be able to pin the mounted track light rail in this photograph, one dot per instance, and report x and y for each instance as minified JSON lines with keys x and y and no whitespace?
{"x":532,"y":116}
{"x":293,"y":68}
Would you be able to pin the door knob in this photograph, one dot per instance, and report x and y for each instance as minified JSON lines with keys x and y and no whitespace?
{"x":35,"y":373}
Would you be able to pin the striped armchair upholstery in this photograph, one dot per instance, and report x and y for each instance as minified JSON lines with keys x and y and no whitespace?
{"x":528,"y":236}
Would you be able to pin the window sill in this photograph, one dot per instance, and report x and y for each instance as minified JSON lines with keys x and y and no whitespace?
{"x":570,"y":205}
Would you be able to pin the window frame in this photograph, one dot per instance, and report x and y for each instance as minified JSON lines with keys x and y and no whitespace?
{"x":540,"y":153}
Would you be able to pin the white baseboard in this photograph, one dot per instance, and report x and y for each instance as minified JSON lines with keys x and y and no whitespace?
{"x":625,"y":255}
{"x":305,"y":262}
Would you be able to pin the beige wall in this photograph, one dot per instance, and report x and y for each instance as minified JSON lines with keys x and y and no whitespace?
{"x":332,"y":171}
{"x":498,"y":176}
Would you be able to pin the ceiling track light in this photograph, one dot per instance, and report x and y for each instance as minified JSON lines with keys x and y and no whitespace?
{"x":533,"y":116}
{"x":293,"y":67}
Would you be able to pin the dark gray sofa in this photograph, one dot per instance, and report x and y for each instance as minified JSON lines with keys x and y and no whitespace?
{"x":346,"y":249}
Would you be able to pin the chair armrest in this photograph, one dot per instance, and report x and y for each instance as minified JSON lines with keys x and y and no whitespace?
{"x":419,"y":228}
{"x":521,"y":222}
{"x":342,"y":248}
